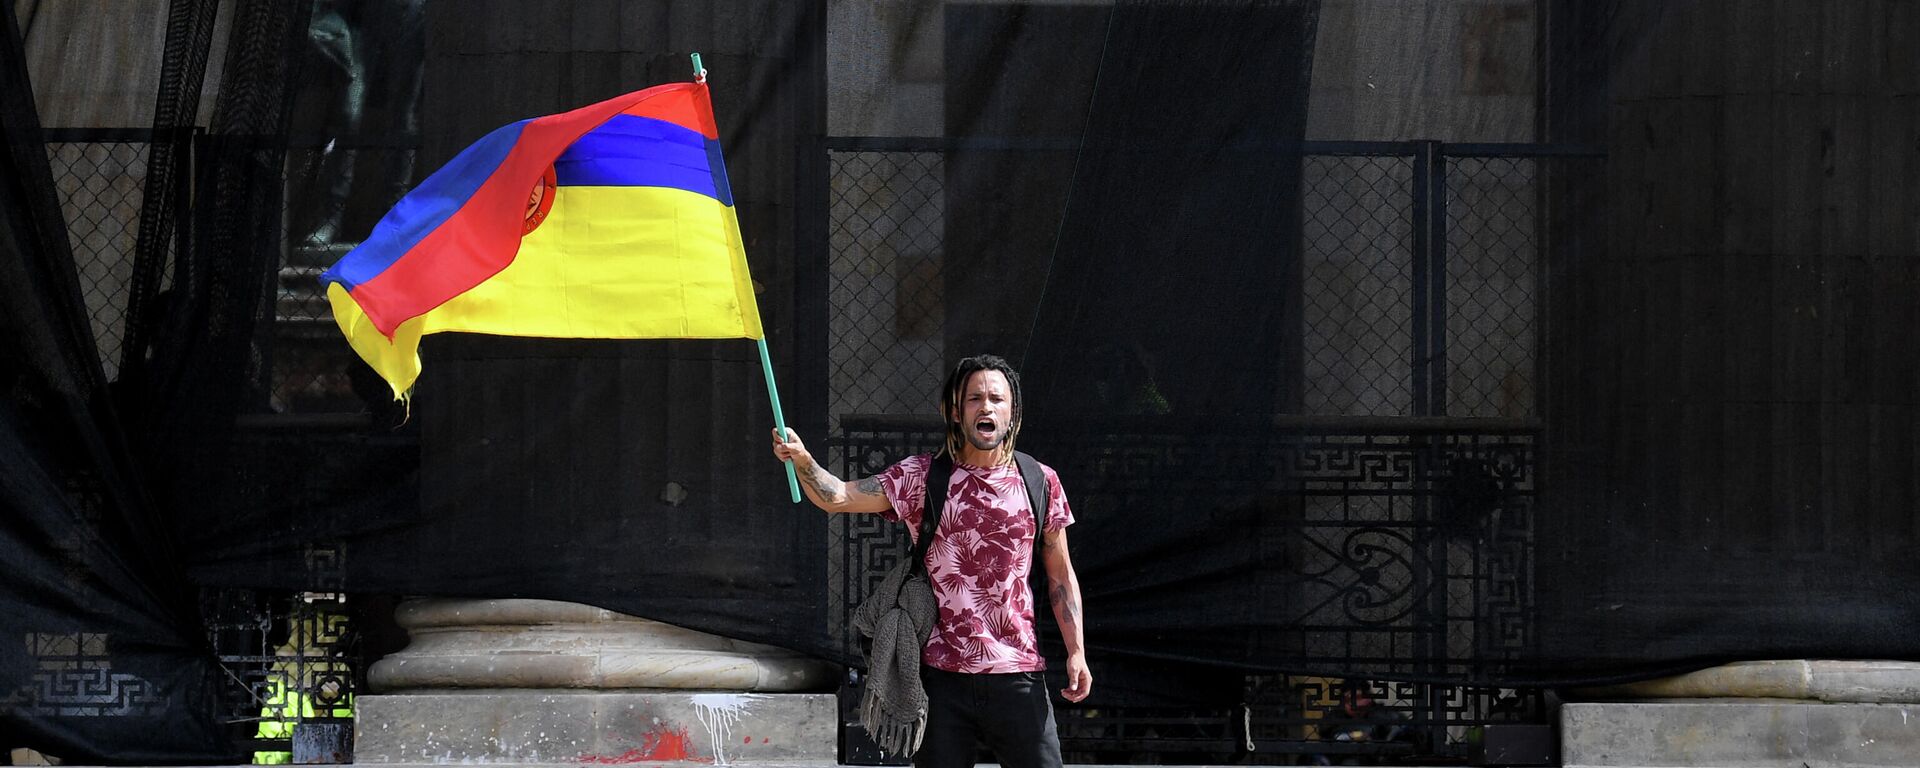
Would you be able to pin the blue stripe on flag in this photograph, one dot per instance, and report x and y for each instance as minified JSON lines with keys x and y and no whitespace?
{"x":629,"y":151}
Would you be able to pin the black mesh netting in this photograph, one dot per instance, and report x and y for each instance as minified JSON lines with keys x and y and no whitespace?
{"x":1496,"y":343}
{"x":99,"y":652}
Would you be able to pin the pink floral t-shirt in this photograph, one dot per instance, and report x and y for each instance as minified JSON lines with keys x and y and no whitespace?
{"x":978,"y":562}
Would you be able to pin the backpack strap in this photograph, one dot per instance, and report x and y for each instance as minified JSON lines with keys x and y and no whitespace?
{"x":1036,"y":480}
{"x":940,"y":476}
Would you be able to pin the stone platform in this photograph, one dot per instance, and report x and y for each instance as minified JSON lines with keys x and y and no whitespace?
{"x":1745,"y":733}
{"x":597,"y":728}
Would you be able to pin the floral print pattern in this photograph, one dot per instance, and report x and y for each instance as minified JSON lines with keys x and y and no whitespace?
{"x":978,"y":562}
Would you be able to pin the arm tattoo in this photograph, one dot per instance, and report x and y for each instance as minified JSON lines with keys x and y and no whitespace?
{"x":869,"y":486}
{"x":1063,"y":602}
{"x":821,"y":480}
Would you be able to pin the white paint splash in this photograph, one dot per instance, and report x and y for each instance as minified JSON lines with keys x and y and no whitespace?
{"x":718,"y":712}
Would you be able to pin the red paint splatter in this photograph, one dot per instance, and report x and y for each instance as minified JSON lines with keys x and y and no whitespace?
{"x":763,"y":739}
{"x":659,"y":745}
{"x":747,"y":740}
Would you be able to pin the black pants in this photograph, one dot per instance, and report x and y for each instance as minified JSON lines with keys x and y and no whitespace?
{"x":1010,"y":713}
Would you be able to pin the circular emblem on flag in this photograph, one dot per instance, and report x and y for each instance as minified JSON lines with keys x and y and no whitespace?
{"x":539,"y":201}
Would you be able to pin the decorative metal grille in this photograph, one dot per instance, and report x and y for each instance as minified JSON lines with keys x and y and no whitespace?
{"x":73,"y":676}
{"x":289,"y":658}
{"x":1289,"y":720}
{"x":863,"y":547}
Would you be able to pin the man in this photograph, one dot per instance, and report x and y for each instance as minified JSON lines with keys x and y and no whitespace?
{"x":981,"y":668}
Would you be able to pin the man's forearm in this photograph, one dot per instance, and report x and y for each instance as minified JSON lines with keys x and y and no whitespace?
{"x":1065,"y":596}
{"x":821,"y":486}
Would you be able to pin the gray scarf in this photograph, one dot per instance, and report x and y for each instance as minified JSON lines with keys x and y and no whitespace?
{"x":898,"y":618}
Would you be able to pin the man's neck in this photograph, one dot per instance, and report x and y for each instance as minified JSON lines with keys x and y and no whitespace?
{"x":975,"y":457}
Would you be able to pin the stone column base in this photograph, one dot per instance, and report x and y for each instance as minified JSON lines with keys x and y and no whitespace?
{"x":540,"y":681}
{"x":546,"y":644}
{"x":1781,"y":714}
{"x":1853,"y":682}
{"x":571,"y":727}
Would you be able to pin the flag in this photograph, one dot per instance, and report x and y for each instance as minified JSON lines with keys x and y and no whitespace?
{"x":612,"y":221}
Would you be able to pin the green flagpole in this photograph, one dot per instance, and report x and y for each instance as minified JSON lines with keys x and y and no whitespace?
{"x":779,"y":421}
{"x":766,"y":358}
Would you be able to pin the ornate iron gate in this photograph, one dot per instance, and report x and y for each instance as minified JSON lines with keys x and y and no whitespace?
{"x":1406,"y":483}
{"x":1403,"y":546}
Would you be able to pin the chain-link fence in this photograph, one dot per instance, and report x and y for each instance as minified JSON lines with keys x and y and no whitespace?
{"x":1420,"y":292}
{"x":1357,"y":285}
{"x":1419,"y":278}
{"x":1493,"y":244}
{"x":100,"y":177}
{"x":886,"y":232}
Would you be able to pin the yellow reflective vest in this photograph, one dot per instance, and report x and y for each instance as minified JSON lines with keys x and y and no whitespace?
{"x":281,"y":710}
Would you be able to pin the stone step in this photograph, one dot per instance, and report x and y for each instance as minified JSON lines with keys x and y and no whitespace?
{"x":1739,"y":733}
{"x":520,"y":727}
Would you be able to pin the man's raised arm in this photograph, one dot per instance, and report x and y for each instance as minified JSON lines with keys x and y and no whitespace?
{"x":826,"y":491}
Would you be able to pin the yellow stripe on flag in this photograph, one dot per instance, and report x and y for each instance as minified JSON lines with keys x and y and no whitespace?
{"x":607,"y":263}
{"x":397,"y":361}
{"x":618,"y":263}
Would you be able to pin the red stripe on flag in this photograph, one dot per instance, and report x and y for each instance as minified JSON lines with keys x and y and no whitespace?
{"x":690,"y":109}
{"x":483,"y":236}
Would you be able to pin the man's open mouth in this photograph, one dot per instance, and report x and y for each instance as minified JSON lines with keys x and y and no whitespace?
{"x":984,"y":427}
